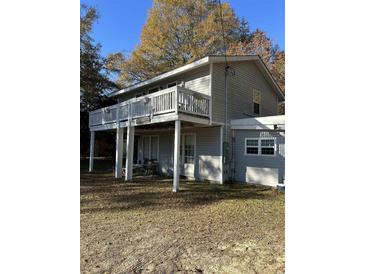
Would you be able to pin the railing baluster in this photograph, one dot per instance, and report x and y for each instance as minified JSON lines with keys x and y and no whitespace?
{"x":174,"y":99}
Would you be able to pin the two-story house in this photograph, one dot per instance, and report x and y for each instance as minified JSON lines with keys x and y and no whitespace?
{"x":182,"y":118}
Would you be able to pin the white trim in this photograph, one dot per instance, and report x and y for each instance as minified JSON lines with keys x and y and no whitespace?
{"x":182,"y":143}
{"x":214,"y":123}
{"x":92,"y":145}
{"x":171,"y":129}
{"x":176,"y":180}
{"x":109,"y":126}
{"x":168,"y":117}
{"x":129,"y":154}
{"x":182,"y":155}
{"x":119,"y":143}
{"x":193,"y":119}
{"x":221,"y":152}
{"x":258,"y":122}
{"x":157,"y":93}
{"x":261,"y":127}
{"x":259,"y":146}
{"x":159,"y":119}
{"x":210,"y":92}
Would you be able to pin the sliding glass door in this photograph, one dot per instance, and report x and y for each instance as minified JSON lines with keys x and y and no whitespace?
{"x":150,"y":148}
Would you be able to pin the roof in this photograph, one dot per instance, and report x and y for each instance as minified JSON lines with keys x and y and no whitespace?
{"x":258,"y":123}
{"x":204,"y":61}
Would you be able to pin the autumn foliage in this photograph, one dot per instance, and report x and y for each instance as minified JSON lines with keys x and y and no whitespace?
{"x":178,"y":32}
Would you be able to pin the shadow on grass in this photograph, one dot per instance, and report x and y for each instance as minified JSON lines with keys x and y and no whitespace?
{"x":100,"y":192}
{"x":100,"y":165}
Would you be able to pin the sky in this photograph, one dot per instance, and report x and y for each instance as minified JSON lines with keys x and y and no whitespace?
{"x":120,"y":22}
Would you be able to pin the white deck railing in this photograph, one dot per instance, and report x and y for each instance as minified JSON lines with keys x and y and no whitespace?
{"x":170,"y":100}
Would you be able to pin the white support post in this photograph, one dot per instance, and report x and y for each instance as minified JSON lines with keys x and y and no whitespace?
{"x":92,"y":143}
{"x":177,"y":100}
{"x":222,"y":155}
{"x":210,"y":92}
{"x":130,"y":149}
{"x":177,"y":156}
{"x":119,"y":152}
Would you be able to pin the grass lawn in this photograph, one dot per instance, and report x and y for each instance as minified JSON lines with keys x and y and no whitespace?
{"x":142,"y":227}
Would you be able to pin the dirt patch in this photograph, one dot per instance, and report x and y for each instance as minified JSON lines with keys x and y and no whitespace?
{"x":142,"y":227}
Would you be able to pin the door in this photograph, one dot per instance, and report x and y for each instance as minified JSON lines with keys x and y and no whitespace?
{"x":150,"y":148}
{"x":187,"y":154}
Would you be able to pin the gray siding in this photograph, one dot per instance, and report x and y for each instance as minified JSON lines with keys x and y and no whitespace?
{"x":243,"y":161}
{"x":208,"y":159}
{"x":240,"y":88}
{"x":165,"y":150}
{"x":240,"y":102}
{"x":197,"y":80}
{"x":166,"y":153}
{"x":218,"y":98}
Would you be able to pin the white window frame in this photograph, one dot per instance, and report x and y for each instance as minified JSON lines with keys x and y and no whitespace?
{"x":150,"y":147}
{"x":259,"y":146}
{"x":253,"y":103}
{"x":182,"y":144}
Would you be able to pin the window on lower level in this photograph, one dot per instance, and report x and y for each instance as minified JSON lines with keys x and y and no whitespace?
{"x":252,"y":146}
{"x":150,"y":147}
{"x":187,"y":148}
{"x":267,"y":147}
{"x":260,"y":146}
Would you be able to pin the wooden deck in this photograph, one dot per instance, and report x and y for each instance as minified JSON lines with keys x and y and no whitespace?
{"x":161,"y":106}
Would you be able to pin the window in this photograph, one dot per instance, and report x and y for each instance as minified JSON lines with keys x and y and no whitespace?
{"x":267,"y":147}
{"x":252,"y":146}
{"x":150,"y":147}
{"x":154,"y":147}
{"x":146,"y":148}
{"x":260,"y":146}
{"x":256,"y":98}
{"x":256,"y":108}
{"x":187,"y":148}
{"x":171,"y":84}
